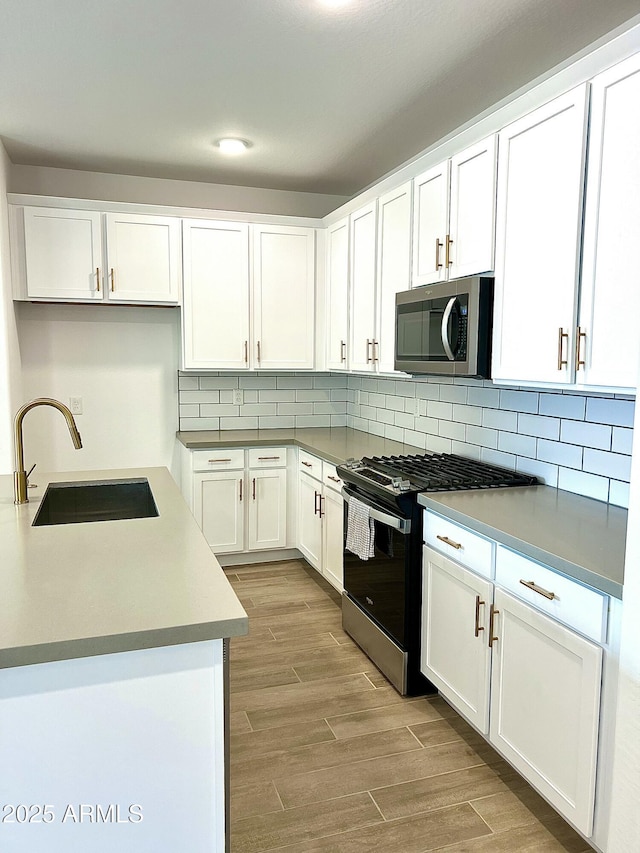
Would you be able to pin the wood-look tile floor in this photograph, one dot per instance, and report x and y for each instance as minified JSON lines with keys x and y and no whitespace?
{"x":326,"y":757}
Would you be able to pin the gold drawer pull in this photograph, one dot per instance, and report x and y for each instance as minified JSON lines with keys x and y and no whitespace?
{"x":268,"y":457}
{"x":478,"y":627}
{"x":98,"y":279}
{"x":308,"y":464}
{"x":450,"y":542}
{"x":534,"y":586}
{"x":335,"y":479}
{"x":438,"y":261}
{"x":218,"y":460}
{"x":562,"y":362}
{"x":579,"y":336}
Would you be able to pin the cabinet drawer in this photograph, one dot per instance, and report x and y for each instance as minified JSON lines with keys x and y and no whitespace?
{"x":330,"y":476}
{"x":566,"y":600}
{"x":460,"y":544}
{"x":217,"y":460}
{"x":267,"y":457}
{"x":310,"y":464}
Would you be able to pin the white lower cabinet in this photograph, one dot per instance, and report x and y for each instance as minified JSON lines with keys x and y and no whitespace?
{"x":455,"y":653}
{"x":241,"y":505}
{"x":529,"y":683}
{"x":320,"y":517}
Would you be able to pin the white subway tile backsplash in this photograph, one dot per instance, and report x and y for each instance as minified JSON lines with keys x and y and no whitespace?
{"x":499,"y":419}
{"x":583,"y":484}
{"x":613,"y":465}
{"x":610,"y":411}
{"x":563,"y":406}
{"x":579,"y":442}
{"x":586,"y":434}
{"x":482,"y":436}
{"x":622,"y":440}
{"x":519,"y":401}
{"x":558,"y":453}
{"x":540,"y":426}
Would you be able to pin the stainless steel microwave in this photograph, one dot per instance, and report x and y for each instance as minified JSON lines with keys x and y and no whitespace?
{"x":445,"y":329}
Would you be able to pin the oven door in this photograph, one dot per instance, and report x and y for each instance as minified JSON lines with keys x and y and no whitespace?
{"x":378,"y":585}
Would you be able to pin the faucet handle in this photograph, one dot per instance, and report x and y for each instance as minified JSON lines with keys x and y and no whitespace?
{"x":31,"y":469}
{"x":31,"y":485}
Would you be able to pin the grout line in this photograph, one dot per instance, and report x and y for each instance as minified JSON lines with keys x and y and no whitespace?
{"x":422,"y":746}
{"x":491,"y":829}
{"x":376,"y":805}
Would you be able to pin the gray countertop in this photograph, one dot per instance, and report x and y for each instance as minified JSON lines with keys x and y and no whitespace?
{"x":335,"y":444}
{"x":75,"y":590}
{"x":581,"y":537}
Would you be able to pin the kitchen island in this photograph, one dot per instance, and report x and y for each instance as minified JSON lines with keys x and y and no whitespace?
{"x":111,"y":677}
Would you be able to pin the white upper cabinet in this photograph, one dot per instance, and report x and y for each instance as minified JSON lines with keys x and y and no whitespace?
{"x":394,"y":269}
{"x":63,"y":254}
{"x":538,"y":234}
{"x":610,"y":291}
{"x":65,"y":257}
{"x":143,"y":254}
{"x":363,"y":288}
{"x":337,"y":312}
{"x":215,"y":316}
{"x":454,"y":216}
{"x":249,"y":296}
{"x":283,"y":297}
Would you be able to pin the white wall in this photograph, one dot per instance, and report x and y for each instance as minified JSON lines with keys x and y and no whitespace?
{"x":123,"y":362}
{"x":9,"y":356}
{"x":69,"y":183}
{"x":625,"y":814}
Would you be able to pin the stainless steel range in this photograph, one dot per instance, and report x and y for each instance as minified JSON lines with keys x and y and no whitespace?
{"x":382,"y":597}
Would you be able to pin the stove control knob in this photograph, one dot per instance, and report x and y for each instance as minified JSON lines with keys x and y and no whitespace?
{"x":351,"y":462}
{"x":405,"y":485}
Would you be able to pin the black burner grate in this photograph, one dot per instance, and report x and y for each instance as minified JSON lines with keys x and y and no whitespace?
{"x":445,"y":472}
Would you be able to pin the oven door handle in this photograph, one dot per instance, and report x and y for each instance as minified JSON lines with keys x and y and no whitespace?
{"x":444,"y":330}
{"x":401,"y":524}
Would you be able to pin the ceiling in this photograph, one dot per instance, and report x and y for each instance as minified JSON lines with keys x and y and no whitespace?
{"x":331,"y":98}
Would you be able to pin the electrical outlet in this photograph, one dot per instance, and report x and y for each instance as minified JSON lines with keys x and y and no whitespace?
{"x":75,"y":404}
{"x":238,"y":397}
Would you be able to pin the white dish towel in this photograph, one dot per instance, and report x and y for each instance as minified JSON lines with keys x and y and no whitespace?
{"x":360,"y":530}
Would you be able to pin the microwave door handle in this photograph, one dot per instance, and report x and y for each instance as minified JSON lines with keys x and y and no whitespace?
{"x":401,"y":524}
{"x":445,"y":327}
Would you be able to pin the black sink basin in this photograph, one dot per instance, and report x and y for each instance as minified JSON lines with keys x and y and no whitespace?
{"x":96,"y":500}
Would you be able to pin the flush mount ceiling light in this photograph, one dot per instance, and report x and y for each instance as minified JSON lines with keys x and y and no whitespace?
{"x":231,"y":145}
{"x":334,"y":4}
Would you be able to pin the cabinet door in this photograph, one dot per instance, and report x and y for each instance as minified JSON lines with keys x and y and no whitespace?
{"x":215,"y":314}
{"x":337,"y":315}
{"x":63,"y":254}
{"x":267,"y":499}
{"x":455,"y":653}
{"x":539,"y":219}
{"x":284,"y":297}
{"x":218,"y":509}
{"x":394,"y":268}
{"x":333,"y":537}
{"x":430,"y":218}
{"x":545,"y":705}
{"x":472,"y":210}
{"x":144,"y":259}
{"x":610,"y":298}
{"x":363,"y":288}
{"x":309,"y":521}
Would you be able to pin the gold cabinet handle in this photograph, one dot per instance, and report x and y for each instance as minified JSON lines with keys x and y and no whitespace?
{"x":113,"y":279}
{"x":369,"y":359}
{"x":315,"y":502}
{"x":438,"y":261}
{"x":478,"y":627}
{"x":375,"y":354}
{"x":246,"y":352}
{"x":262,"y":458}
{"x":343,"y":351}
{"x":258,"y":352}
{"x":492,"y":615}
{"x":218,"y":460}
{"x":307,"y":464}
{"x":449,"y":243}
{"x":450,"y":542}
{"x":534,"y":586}
{"x":579,"y":335}
{"x":240,"y":481}
{"x":562,"y":362}
{"x":98,"y":279}
{"x":254,"y":488}
{"x":335,"y":479}
{"x":321,"y":510}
